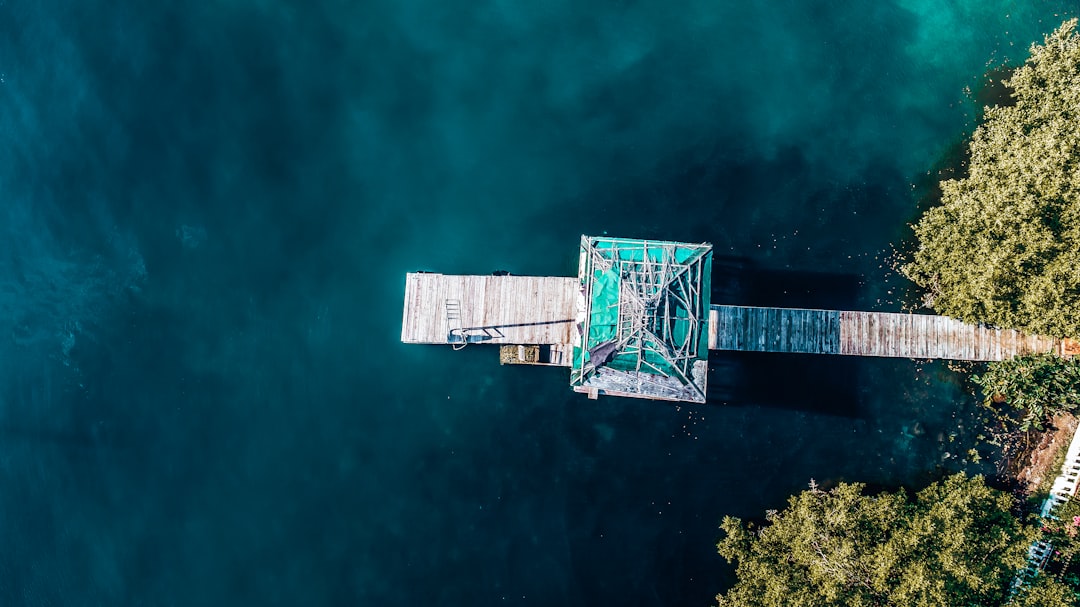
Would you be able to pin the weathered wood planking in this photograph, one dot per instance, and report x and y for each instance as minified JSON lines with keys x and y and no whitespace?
{"x":926,"y":336}
{"x":774,"y":330}
{"x":493,"y":309}
{"x":884,"y":334}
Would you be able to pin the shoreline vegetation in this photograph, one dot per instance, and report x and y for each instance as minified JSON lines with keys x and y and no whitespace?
{"x":1036,"y":461}
{"x":999,"y":245}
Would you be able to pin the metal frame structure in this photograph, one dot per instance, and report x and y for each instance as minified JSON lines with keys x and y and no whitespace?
{"x":660,"y":284}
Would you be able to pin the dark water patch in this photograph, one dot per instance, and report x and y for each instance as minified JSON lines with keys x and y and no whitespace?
{"x":818,"y":384}
{"x":992,"y":90}
{"x":742,"y":281}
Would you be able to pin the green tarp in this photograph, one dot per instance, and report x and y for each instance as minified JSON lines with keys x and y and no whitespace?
{"x":604,"y":300}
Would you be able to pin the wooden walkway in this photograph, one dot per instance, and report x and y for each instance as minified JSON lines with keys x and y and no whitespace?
{"x":444,"y":309}
{"x":866,"y":334}
{"x":543,"y":311}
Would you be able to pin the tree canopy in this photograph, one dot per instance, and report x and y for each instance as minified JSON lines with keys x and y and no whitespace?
{"x":1041,"y":385}
{"x":1003,"y":248}
{"x":1045,"y":591}
{"x":954,"y":543}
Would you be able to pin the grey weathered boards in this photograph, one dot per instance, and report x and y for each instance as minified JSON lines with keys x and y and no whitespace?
{"x":774,"y":330}
{"x":445,"y":309}
{"x":866,"y":334}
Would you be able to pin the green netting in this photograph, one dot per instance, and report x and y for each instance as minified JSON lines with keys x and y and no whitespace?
{"x":604,"y":314}
{"x":628,"y":250}
{"x":629,"y":361}
{"x":680,"y":329}
{"x":604,"y":300}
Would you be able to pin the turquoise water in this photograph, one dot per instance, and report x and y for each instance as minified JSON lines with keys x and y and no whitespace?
{"x":208,"y":213}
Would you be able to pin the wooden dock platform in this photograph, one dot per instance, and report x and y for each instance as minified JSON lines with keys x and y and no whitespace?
{"x":884,"y":334}
{"x":637,"y":321}
{"x":458,"y":310}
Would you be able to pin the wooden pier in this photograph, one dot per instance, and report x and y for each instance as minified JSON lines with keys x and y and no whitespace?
{"x":884,"y":334}
{"x":637,"y":321}
{"x":518,"y":310}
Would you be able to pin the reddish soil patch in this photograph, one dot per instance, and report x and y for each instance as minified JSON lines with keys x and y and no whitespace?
{"x":1036,"y":464}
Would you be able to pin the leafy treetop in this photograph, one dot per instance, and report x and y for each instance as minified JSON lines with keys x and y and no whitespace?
{"x":1040,"y":385}
{"x":955,"y":543}
{"x":1004,"y":246}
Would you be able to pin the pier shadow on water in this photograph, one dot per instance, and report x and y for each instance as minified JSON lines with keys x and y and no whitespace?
{"x":740,"y":281}
{"x":815,"y":383}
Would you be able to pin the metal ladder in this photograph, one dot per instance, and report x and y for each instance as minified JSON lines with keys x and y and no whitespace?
{"x":453,"y":324}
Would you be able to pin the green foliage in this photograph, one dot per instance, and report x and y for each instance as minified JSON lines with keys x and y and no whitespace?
{"x":1063,"y":530}
{"x":1070,"y":512}
{"x":955,"y":543}
{"x":1004,"y":246}
{"x":1045,"y":591}
{"x":1040,"y":385}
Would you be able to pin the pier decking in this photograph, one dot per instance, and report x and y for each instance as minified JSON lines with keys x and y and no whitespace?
{"x":637,"y":321}
{"x":530,"y":310}
{"x":884,"y":334}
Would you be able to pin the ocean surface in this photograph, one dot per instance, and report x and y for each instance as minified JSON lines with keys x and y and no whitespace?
{"x":207,"y":211}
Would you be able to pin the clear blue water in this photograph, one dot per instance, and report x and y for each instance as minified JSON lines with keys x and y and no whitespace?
{"x":207,"y":212}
